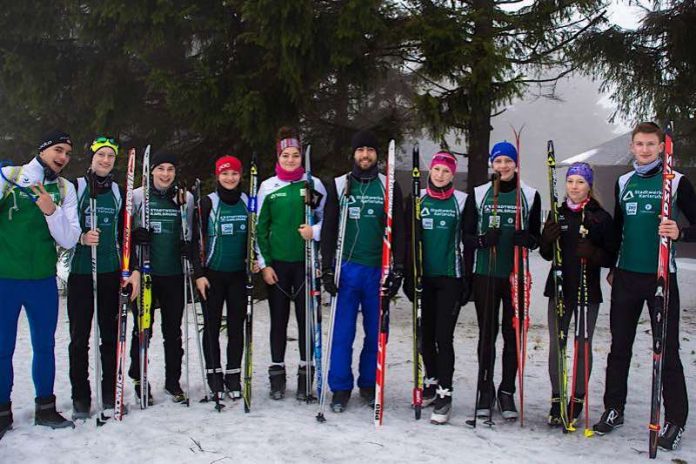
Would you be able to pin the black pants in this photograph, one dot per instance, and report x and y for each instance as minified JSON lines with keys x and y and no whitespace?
{"x":630,"y":290}
{"x":168,"y":291}
{"x":80,"y":313}
{"x":225,"y":288}
{"x":489,"y":292}
{"x":290,"y":286}
{"x":440,"y":313}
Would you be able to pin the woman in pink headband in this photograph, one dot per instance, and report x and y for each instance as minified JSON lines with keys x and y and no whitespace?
{"x":281,"y":236}
{"x":445,"y":288}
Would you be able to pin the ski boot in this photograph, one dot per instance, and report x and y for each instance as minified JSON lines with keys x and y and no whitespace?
{"x":276,"y":374}
{"x":215,"y":383}
{"x":5,"y":418}
{"x":429,"y":389}
{"x":368,"y":394}
{"x":506,"y":403}
{"x":174,"y":390}
{"x":485,"y":405}
{"x":610,"y":420}
{"x":150,"y":400}
{"x":340,"y":399}
{"x":670,"y":436}
{"x":442,"y":407}
{"x":81,"y":409}
{"x":302,"y":380}
{"x":555,"y":419}
{"x":233,"y":384}
{"x":575,"y":406}
{"x":45,"y":414}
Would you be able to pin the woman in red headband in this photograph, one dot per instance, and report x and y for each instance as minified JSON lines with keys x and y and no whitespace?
{"x":445,"y":288}
{"x":221,"y":278}
{"x":281,"y":234}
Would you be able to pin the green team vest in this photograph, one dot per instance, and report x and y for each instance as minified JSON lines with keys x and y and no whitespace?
{"x":504,"y":217}
{"x":227,"y":235}
{"x":108,"y":208}
{"x":27,"y":249}
{"x":165,"y":247}
{"x":441,"y":221}
{"x":282,"y":212}
{"x":365,"y":221}
{"x":640,"y":199}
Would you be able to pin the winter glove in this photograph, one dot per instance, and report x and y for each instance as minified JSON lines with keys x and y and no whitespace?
{"x":142,"y":236}
{"x":393,"y":283}
{"x":489,"y":239}
{"x":551,"y":232}
{"x":185,"y":249}
{"x":523,"y":238}
{"x":329,"y":280}
{"x":465,"y":291}
{"x":586,"y":249}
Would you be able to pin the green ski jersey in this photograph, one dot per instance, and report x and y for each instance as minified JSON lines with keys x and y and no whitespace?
{"x":502,"y":217}
{"x":441,"y":224}
{"x":227,"y":235}
{"x":108,"y":209}
{"x":281,"y":212}
{"x":640,"y":199}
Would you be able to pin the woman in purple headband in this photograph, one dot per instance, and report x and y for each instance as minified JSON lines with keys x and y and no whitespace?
{"x":281,"y":235}
{"x":579,"y":213}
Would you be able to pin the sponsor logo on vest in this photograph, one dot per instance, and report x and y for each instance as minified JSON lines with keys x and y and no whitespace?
{"x":442,"y":223}
{"x":648,"y":207}
{"x":632,"y":208}
{"x":227,"y":229}
{"x":156,"y":227}
{"x":493,"y":221}
{"x":425,"y":212}
{"x":370,"y":211}
{"x":427,"y":223}
{"x":628,"y":196}
{"x":354,"y":212}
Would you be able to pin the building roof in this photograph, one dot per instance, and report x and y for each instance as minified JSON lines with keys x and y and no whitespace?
{"x":614,"y":152}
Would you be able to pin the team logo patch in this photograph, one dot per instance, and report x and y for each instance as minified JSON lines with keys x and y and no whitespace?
{"x":648,"y":207}
{"x":227,"y":229}
{"x":443,"y":223}
{"x":354,"y":212}
{"x":631,"y":208}
{"x":156,"y":227}
{"x":427,"y":223}
{"x":493,"y":221}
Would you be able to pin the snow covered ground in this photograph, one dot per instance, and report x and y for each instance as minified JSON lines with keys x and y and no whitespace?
{"x":286,"y":431}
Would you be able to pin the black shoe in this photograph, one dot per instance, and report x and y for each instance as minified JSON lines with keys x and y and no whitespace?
{"x":485,"y":405}
{"x":339,"y":402}
{"x":174,"y":390}
{"x":611,"y":419}
{"x":302,"y":380}
{"x":5,"y":418}
{"x":81,"y":409}
{"x":45,"y":414}
{"x":506,"y":404}
{"x":136,"y":386}
{"x":555,"y":419}
{"x":368,"y":394}
{"x":575,"y":406}
{"x":233,"y":384}
{"x":215,"y":382}
{"x":276,"y":374}
{"x":670,"y":436}
{"x":442,"y":407}
{"x":429,"y":388}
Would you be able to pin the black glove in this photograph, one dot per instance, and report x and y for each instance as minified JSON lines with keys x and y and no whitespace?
{"x":393,"y":283}
{"x":185,"y":249}
{"x":329,"y":280}
{"x":551,"y":232}
{"x":523,"y":238}
{"x":465,"y":292}
{"x":586,"y":249}
{"x":142,"y":236}
{"x":489,"y":239}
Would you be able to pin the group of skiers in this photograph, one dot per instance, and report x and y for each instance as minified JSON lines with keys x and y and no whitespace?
{"x":471,"y":244}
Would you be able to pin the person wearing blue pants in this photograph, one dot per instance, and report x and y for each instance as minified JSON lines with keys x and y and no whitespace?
{"x":38,"y":209}
{"x":361,"y":259}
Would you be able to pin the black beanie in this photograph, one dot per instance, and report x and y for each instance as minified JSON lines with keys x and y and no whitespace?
{"x":364,"y":138}
{"x":162,"y":157}
{"x":54,"y":138}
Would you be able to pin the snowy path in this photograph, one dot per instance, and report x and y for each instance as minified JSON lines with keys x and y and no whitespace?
{"x":286,"y":431}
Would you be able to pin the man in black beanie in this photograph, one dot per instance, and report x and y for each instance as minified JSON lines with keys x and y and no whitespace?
{"x":167,"y":248}
{"x":359,"y":286}
{"x":38,"y":210}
